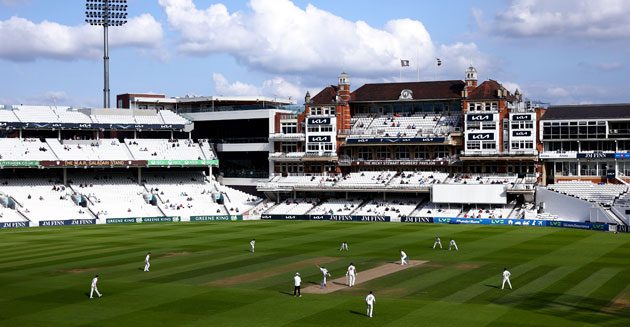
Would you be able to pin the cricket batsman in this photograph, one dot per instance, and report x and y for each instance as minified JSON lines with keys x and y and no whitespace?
{"x":252,"y":245}
{"x":297,"y":282}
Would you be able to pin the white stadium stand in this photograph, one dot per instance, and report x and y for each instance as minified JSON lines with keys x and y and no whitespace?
{"x":336,"y":207}
{"x":152,"y":149}
{"x":104,"y":149}
{"x":392,"y":208}
{"x":437,"y":210}
{"x":25,"y":149}
{"x":598,"y":193}
{"x":366,"y":179}
{"x":44,"y":199}
{"x":292,"y":207}
{"x":114,"y":196}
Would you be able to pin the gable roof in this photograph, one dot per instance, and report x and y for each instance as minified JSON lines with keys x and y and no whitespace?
{"x":325,"y":96}
{"x":588,"y":111}
{"x":488,"y":91}
{"x":420,"y":91}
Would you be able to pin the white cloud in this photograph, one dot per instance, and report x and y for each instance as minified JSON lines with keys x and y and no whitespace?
{"x":24,"y":40}
{"x":276,"y":36}
{"x":275,"y":87}
{"x":602,"y":19}
{"x":558,"y":92}
{"x":512,"y":87}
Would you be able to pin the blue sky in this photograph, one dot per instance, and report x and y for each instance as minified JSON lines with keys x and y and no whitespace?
{"x":557,"y":51}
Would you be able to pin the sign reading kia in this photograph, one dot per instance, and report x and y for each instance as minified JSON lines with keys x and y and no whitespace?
{"x":481,"y":137}
{"x":521,"y":133}
{"x":319,"y":138}
{"x":480,"y":117}
{"x":319,"y":121}
{"x":522,"y":117}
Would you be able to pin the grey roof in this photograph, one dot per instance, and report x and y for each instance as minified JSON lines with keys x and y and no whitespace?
{"x":588,"y":111}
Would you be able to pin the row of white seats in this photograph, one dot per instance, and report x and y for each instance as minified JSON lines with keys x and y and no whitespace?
{"x":54,"y":114}
{"x":336,"y":207}
{"x":104,"y":149}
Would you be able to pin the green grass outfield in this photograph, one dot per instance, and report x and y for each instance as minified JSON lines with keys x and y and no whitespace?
{"x":561,"y":277}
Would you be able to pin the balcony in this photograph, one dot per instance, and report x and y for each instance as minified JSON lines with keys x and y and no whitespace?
{"x":294,"y":137}
{"x":287,"y":156}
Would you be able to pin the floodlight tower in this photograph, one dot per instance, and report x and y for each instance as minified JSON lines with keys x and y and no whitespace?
{"x":106,"y":13}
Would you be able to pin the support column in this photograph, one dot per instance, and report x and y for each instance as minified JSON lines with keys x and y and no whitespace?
{"x":59,"y":135}
{"x":135,"y":135}
{"x":65,"y":176}
{"x":20,"y":133}
{"x":139,"y":175}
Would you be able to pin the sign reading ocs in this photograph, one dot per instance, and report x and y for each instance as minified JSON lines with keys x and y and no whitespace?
{"x":406,"y":94}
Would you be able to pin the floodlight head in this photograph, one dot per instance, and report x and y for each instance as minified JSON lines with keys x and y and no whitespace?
{"x":110,"y":12}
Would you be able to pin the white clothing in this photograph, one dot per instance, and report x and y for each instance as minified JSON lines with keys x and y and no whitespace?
{"x":146,"y":263}
{"x":403,"y":258}
{"x":437,"y":242}
{"x":506,"y":278}
{"x":324,"y":274}
{"x":352,"y":275}
{"x":344,"y":246}
{"x":93,"y":288}
{"x":297,"y":280}
{"x":252,"y":244}
{"x":452,"y":244}
{"x":370,"y":299}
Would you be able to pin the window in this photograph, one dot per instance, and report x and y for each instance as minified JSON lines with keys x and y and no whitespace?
{"x":289,"y":147}
{"x":473,"y":145}
{"x":289,"y":127}
{"x":488,"y":145}
{"x":488,"y":125}
{"x":313,"y":147}
{"x":327,"y":147}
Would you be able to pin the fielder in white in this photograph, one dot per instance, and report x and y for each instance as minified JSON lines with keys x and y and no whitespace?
{"x":370,"y":299}
{"x":94,"y":288}
{"x":403,"y":258}
{"x":437,"y":242}
{"x":325,"y":274}
{"x":351,"y":273}
{"x":146,"y":261}
{"x":506,"y":278}
{"x":252,"y":245}
{"x":344,"y":246}
{"x":297,"y":282}
{"x":452,"y":244}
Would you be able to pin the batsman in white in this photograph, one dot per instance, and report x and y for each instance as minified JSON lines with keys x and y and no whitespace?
{"x":351,"y":273}
{"x":452,"y":244}
{"x":403,"y":258}
{"x":437,"y":242}
{"x":94,"y":288}
{"x":252,"y":245}
{"x":297,"y":282}
{"x":344,"y":246}
{"x":370,"y":299}
{"x":146,"y":261}
{"x":506,"y":278}
{"x":325,"y":274}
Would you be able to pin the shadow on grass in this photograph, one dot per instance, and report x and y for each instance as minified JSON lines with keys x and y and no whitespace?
{"x":286,"y":293}
{"x":358,"y":313}
{"x":493,"y":286}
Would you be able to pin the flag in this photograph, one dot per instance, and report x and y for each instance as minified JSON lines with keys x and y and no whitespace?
{"x":404,"y":63}
{"x":438,"y":61}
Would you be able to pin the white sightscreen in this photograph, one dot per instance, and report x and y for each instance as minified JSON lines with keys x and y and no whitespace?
{"x":469,"y":193}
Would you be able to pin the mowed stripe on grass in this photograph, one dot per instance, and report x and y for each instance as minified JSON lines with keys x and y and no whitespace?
{"x":214,"y":280}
